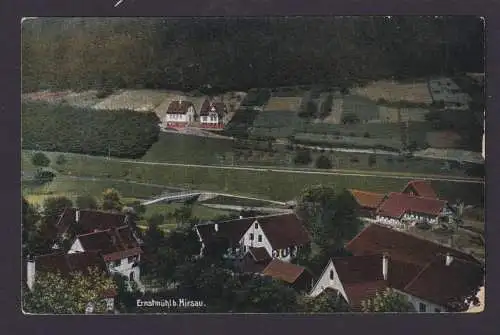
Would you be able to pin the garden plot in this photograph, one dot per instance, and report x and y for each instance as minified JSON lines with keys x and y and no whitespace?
{"x":442,"y":139}
{"x":363,"y":108}
{"x":452,"y":155}
{"x":291,"y":104}
{"x":276,"y":124}
{"x":393,"y":91}
{"x":137,"y":100}
{"x":393,"y":115}
{"x":447,"y":91}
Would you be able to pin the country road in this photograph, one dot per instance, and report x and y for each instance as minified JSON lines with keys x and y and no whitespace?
{"x":331,"y":172}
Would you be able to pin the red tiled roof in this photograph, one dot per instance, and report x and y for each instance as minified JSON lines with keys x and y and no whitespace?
{"x":376,"y":239}
{"x":367,"y":199}
{"x":67,"y":263}
{"x":232,"y":230}
{"x":359,"y":292}
{"x":111,"y":243}
{"x":206,"y":107}
{"x":284,"y":230}
{"x":447,"y":285}
{"x":284,"y":271}
{"x":89,"y":221}
{"x":397,"y":204}
{"x":259,"y":254}
{"x":177,"y":107}
{"x":360,"y":269}
{"x":421,"y":188}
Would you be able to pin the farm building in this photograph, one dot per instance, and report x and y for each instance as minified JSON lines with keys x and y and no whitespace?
{"x":179,"y":114}
{"x":294,"y":275}
{"x":420,"y":188}
{"x":368,"y":202}
{"x":401,"y":209}
{"x":432,"y":277}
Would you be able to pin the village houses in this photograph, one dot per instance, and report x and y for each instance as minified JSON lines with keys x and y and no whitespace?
{"x":432,"y":277}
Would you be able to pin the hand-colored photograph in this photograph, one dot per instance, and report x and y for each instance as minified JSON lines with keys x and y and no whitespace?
{"x":303,"y":165}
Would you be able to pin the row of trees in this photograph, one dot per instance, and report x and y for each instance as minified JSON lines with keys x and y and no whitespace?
{"x":87,"y":131}
{"x":161,"y":53}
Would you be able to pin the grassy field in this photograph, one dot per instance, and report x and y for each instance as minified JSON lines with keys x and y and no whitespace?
{"x":179,"y":148}
{"x":224,"y":200}
{"x":199,"y":211}
{"x":260,"y":184}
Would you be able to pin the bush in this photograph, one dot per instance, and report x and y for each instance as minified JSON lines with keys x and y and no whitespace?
{"x":61,"y":160}
{"x":44,"y":177}
{"x":323,"y":162}
{"x":124,"y":133}
{"x":366,"y":135}
{"x":40,"y":159}
{"x":372,"y":160}
{"x":303,"y":157}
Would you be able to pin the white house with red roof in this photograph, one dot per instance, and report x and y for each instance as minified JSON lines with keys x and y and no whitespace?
{"x":212,"y":114}
{"x":180,"y":113}
{"x":432,"y":277}
{"x":118,"y":247}
{"x":273,"y":236}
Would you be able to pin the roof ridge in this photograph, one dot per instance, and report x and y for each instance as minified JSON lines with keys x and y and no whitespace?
{"x":94,"y":232}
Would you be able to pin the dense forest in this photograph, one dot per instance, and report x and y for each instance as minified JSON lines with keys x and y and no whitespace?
{"x":240,"y":53}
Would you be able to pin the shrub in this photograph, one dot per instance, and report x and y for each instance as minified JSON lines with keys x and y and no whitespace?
{"x":366,"y":135}
{"x":61,"y":160}
{"x":303,"y":157}
{"x":40,"y":159}
{"x":323,"y":162}
{"x":44,"y":177}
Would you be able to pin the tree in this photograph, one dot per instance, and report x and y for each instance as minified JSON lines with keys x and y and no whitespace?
{"x":323,"y":162}
{"x":53,"y":293}
{"x":329,"y":301}
{"x":111,"y":200}
{"x":30,"y":219}
{"x":43,"y":177}
{"x":54,"y":206}
{"x":39,"y":159}
{"x":86,"y":202}
{"x":184,"y":214}
{"x":303,"y":157}
{"x":388,"y":301}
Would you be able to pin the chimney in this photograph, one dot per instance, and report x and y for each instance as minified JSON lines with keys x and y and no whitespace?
{"x":77,"y":215}
{"x":385,"y":265}
{"x":216,"y":227}
{"x":241,"y":216}
{"x":449,"y":259}
{"x":30,"y":272}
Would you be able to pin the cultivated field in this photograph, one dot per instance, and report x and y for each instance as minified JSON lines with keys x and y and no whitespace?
{"x":393,"y":114}
{"x":392,"y":91}
{"x":137,"y":100}
{"x":291,"y":104}
{"x":443,"y":139}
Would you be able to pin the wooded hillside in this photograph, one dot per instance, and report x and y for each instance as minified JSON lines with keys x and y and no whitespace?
{"x":240,"y":53}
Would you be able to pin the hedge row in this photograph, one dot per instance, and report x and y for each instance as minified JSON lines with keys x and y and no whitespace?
{"x":122,"y":133}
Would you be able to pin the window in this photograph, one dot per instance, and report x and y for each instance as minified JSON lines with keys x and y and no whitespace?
{"x":437,"y":310}
{"x":251,"y":237}
{"x":117,"y":263}
{"x":260,"y":238}
{"x":131,"y":259}
{"x":331,"y":274}
{"x":256,"y":225}
{"x":422,"y":308}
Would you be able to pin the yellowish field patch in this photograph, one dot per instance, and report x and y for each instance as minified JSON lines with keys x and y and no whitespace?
{"x":137,"y":100}
{"x":291,"y":104}
{"x":391,"y":114}
{"x":393,"y":91}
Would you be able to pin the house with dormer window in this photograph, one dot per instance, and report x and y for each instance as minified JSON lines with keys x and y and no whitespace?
{"x":272,"y":236}
{"x":212,"y":114}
